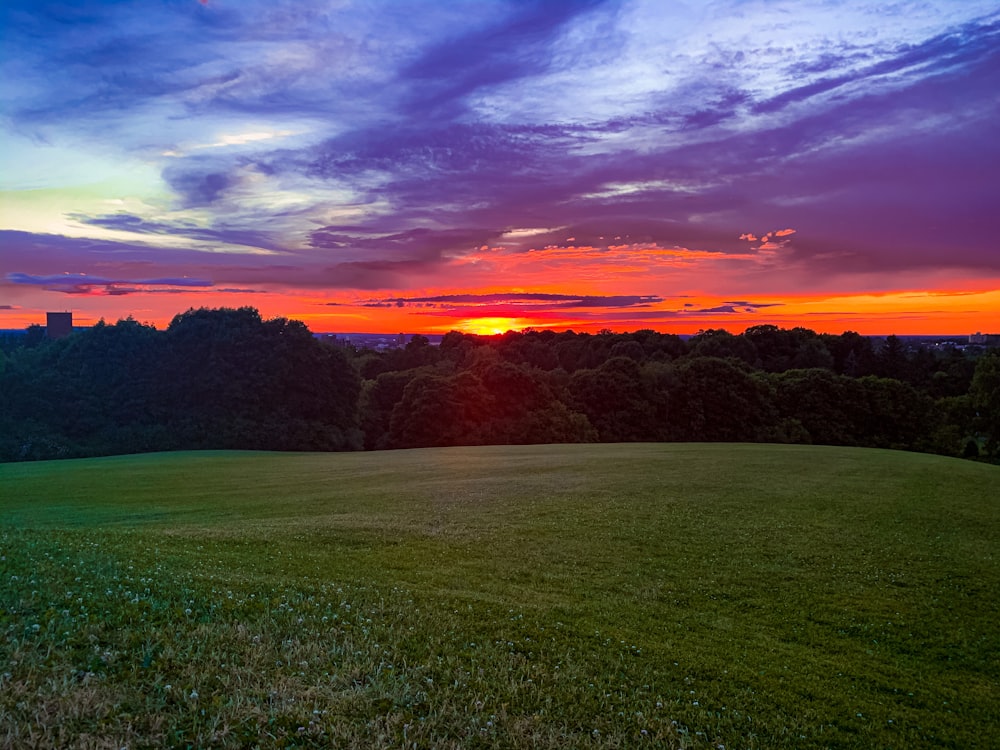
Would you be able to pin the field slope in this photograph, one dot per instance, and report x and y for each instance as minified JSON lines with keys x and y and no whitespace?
{"x":745,"y":596}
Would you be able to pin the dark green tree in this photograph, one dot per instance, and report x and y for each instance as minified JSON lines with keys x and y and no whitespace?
{"x":721,"y":344}
{"x":985,"y":395}
{"x":853,"y":354}
{"x":237,"y":381}
{"x":439,"y":410}
{"x":895,"y":415}
{"x":892,"y":359}
{"x":826,"y":405}
{"x":613,"y":399}
{"x":378,"y":403}
{"x":720,"y":400}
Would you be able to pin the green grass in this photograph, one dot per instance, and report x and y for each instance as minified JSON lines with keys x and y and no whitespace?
{"x":748,"y":596}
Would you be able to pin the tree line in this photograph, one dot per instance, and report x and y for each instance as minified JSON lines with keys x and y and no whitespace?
{"x":226,"y":378}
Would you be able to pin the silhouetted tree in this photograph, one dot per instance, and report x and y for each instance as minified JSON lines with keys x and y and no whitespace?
{"x":853,"y":354}
{"x":226,"y":378}
{"x":891,"y":361}
{"x":722,"y":344}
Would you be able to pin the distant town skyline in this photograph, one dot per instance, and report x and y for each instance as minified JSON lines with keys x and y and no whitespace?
{"x":481,"y":166}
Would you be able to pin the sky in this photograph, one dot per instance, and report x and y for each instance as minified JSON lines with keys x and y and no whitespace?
{"x":426,"y":166}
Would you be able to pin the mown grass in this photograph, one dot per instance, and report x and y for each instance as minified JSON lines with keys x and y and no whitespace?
{"x":745,"y":596}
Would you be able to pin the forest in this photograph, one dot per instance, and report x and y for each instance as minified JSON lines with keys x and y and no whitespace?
{"x":229,"y":379}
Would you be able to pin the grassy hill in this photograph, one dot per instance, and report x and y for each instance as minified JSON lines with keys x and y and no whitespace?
{"x":751,"y":596}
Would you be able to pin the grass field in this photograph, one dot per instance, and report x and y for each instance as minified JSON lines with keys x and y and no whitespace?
{"x":704,"y":596}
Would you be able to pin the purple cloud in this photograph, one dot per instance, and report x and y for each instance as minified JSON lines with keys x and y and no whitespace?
{"x":796,"y":172}
{"x":414,"y":244}
{"x":520,"y":45}
{"x":132,"y":223}
{"x":198,"y":187}
{"x":85,"y":284}
{"x":525,"y":299}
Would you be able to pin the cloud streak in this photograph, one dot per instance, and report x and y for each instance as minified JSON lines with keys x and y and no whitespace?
{"x":84,"y":284}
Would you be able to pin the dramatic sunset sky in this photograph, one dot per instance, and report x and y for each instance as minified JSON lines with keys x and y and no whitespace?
{"x":423,"y":166}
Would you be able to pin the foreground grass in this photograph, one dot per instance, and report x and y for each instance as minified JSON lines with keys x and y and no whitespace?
{"x":549,"y":596}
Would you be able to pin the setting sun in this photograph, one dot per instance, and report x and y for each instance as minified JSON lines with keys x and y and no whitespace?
{"x":490,"y":326}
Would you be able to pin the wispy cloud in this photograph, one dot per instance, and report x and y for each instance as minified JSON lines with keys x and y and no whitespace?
{"x":84,"y":284}
{"x":126,"y":222}
{"x":552,"y":300}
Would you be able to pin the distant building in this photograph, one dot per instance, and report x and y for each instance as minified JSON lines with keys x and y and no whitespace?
{"x":58,"y":324}
{"x":977,"y":338}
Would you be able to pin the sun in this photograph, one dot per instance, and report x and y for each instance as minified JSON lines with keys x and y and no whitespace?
{"x":490,"y":326}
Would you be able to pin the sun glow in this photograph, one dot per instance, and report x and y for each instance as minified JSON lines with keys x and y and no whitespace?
{"x":490,"y":326}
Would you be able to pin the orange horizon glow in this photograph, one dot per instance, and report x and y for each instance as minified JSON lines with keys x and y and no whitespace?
{"x":495,"y":289}
{"x":937,"y":313}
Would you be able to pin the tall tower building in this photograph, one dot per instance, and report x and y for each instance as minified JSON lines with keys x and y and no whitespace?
{"x":58,"y":324}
